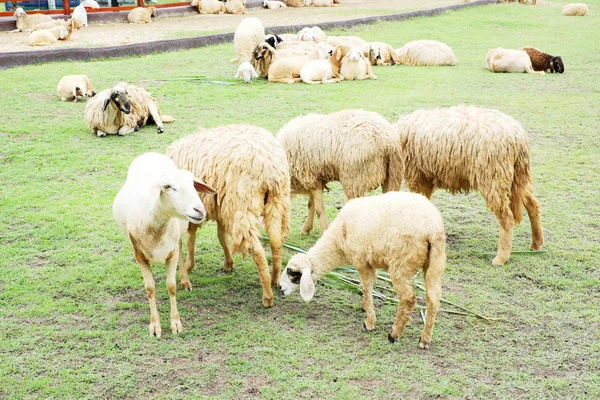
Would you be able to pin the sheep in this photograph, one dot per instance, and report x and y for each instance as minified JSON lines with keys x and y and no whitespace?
{"x":541,"y":61}
{"x":313,"y":34}
{"x":248,"y":168}
{"x":155,"y":195}
{"x":44,"y":37}
{"x":73,"y":86}
{"x":337,"y":56}
{"x":288,"y":37}
{"x":355,"y":147}
{"x":262,"y":57}
{"x":209,"y":6}
{"x":355,"y":66}
{"x":425,"y":53}
{"x":380,"y":53}
{"x":575,"y":10}
{"x":273,"y":4}
{"x":293,"y":3}
{"x":322,"y":3}
{"x":80,"y":12}
{"x":25,"y":21}
{"x":122,"y":110}
{"x":249,"y":34}
{"x":246,"y":71}
{"x":319,"y":71}
{"x":273,"y":40}
{"x":235,"y":7}
{"x":350,"y":41}
{"x":287,"y":70}
{"x":506,"y":60}
{"x":141,"y":15}
{"x":467,"y":148}
{"x":397,"y":231}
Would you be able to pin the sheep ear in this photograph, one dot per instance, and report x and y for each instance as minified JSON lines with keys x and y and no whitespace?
{"x":307,"y":286}
{"x":202,"y":187}
{"x":105,"y":104}
{"x":155,"y":192}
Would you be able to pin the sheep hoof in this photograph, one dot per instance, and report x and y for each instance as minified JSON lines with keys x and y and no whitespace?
{"x":424,"y":345}
{"x":176,"y":326}
{"x":498,"y":261}
{"x":155,"y":329}
{"x":366,"y":328}
{"x":391,"y":338}
{"x":186,"y":285}
{"x":267,"y":302}
{"x":100,"y":134}
{"x":160,"y":129}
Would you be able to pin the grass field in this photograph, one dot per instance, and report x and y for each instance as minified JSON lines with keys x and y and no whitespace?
{"x":73,"y":310}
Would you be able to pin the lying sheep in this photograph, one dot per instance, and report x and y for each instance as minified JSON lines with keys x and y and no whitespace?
{"x":350,"y":41}
{"x":209,"y":6}
{"x":287,"y":70}
{"x":249,"y":170}
{"x":273,"y":40}
{"x":380,"y":53}
{"x":293,"y":3}
{"x":313,"y":34}
{"x":575,"y":10}
{"x":355,"y":66}
{"x":322,"y":3}
{"x":425,"y":53}
{"x":122,"y":110}
{"x":141,"y":15}
{"x":467,"y":148}
{"x":355,"y":147}
{"x":399,"y":232}
{"x":45,"y":37}
{"x":506,"y":60}
{"x":541,"y":61}
{"x":155,"y":195}
{"x":338,"y":55}
{"x":80,"y":13}
{"x":249,"y":34}
{"x":25,"y":22}
{"x":273,"y":4}
{"x":246,"y":71}
{"x":319,"y":71}
{"x":73,"y":86}
{"x":235,"y":7}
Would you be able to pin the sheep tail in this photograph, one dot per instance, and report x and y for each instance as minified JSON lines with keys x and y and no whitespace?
{"x":277,"y":214}
{"x":394,"y":173}
{"x":521,"y":184}
{"x":167,"y":118}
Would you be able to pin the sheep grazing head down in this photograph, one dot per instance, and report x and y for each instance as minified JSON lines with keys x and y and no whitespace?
{"x":556,"y":65}
{"x":298,"y":273}
{"x":246,"y":71}
{"x":118,"y":96}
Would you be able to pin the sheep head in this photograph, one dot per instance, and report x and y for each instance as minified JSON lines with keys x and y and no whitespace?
{"x":556,"y":65}
{"x":263,"y":51}
{"x":246,"y":71}
{"x":20,"y":13}
{"x":298,"y":273}
{"x":273,"y":40}
{"x":118,"y":96}
{"x":152,"y":10}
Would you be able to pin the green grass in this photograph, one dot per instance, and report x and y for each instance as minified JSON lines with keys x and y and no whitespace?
{"x":73,"y":311}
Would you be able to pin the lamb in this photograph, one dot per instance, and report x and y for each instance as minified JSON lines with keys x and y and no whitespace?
{"x":541,"y":61}
{"x":249,"y":34}
{"x":154,"y":197}
{"x":122,"y":110}
{"x":355,"y":66}
{"x":44,"y":37}
{"x":293,"y":3}
{"x":467,"y":148}
{"x":25,"y":21}
{"x":246,"y":71}
{"x":575,"y":10}
{"x":380,"y":53}
{"x":397,"y":231}
{"x":287,"y":70}
{"x":209,"y":6}
{"x":355,"y":147}
{"x":425,"y":53}
{"x":506,"y":60}
{"x":249,"y":170}
{"x":80,"y":12}
{"x":273,"y":4}
{"x":73,"y":86}
{"x":319,"y":71}
{"x":235,"y":7}
{"x":141,"y":15}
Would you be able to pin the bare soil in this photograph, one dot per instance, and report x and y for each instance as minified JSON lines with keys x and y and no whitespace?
{"x":191,"y":25}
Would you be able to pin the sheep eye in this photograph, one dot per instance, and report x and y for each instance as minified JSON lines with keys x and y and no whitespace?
{"x":169,"y":187}
{"x":293,"y":273}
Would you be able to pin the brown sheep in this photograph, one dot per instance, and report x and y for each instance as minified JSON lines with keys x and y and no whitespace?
{"x":544,"y":62}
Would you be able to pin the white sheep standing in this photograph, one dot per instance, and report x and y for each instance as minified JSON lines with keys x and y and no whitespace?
{"x":246,"y":71}
{"x":355,"y":147}
{"x":273,"y":4}
{"x":575,"y":10}
{"x":141,"y":15}
{"x":248,"y":168}
{"x":25,"y":21}
{"x":507,"y":60}
{"x":355,"y":66}
{"x":397,"y":231}
{"x":467,"y":148}
{"x":209,"y":6}
{"x":425,"y":53}
{"x":155,"y":195}
{"x":80,"y":13}
{"x":249,"y":34}
{"x":122,"y":110}
{"x":45,"y":37}
{"x":73,"y":86}
{"x":319,"y":71}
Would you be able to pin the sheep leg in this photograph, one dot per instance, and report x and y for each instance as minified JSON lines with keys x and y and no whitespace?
{"x":100,"y":133}
{"x":222,"y":234}
{"x":506,"y":222}
{"x":172,"y":288}
{"x":533,"y":210}
{"x":274,"y":231}
{"x":150,"y":286}
{"x":124,"y":130}
{"x":308,"y":224}
{"x":258,"y":254}
{"x":367,"y":280}
{"x":186,"y":268}
{"x":74,"y":95}
{"x":183,"y":274}
{"x":402,"y":282}
{"x":433,"y":292}
{"x":317,"y":195}
{"x":153,"y":110}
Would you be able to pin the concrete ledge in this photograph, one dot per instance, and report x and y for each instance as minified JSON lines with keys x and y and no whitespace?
{"x":12,"y":59}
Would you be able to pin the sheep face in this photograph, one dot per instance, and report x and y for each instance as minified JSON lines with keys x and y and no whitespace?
{"x":263,"y":51}
{"x":298,"y":273}
{"x":63,"y":32}
{"x":118,"y":96}
{"x":324,"y":50}
{"x":19,"y":13}
{"x":181,"y":192}
{"x":556,"y":65}
{"x":354,"y":55}
{"x":273,"y":40}
{"x":375,"y":52}
{"x":265,"y":5}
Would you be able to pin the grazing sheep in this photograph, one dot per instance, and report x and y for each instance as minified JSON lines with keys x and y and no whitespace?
{"x":425,"y":53}
{"x":287,"y":70}
{"x":318,"y":71}
{"x":541,"y":61}
{"x":575,"y":10}
{"x":44,"y":37}
{"x":249,"y":34}
{"x":397,"y":231}
{"x":155,"y":195}
{"x":273,"y":4}
{"x":313,"y":34}
{"x":249,"y":170}
{"x":355,"y":147}
{"x":209,"y":6}
{"x":506,"y":60}
{"x":80,"y":13}
{"x":122,"y":110}
{"x":293,"y":3}
{"x":467,"y":148}
{"x":246,"y":71}
{"x":355,"y":66}
{"x":73,"y":86}
{"x":25,"y":21}
{"x":273,"y":40}
{"x":141,"y":15}
{"x":235,"y":7}
{"x":380,"y":53}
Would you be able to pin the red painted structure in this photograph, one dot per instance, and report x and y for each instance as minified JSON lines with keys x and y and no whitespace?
{"x":66,"y":10}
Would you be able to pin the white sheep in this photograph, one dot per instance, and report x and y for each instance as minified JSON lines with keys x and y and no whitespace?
{"x":73,"y":86}
{"x":467,"y":148}
{"x":122,"y":110}
{"x":397,"y":231}
{"x":248,"y":168}
{"x":273,"y":4}
{"x":209,"y":6}
{"x":80,"y":13}
{"x":25,"y":22}
{"x":235,"y":7}
{"x":318,"y":71}
{"x":287,"y":70}
{"x":355,"y":147}
{"x":350,"y":41}
{"x":45,"y":37}
{"x":380,"y":53}
{"x":355,"y":66}
{"x":507,"y":60}
{"x":249,"y":34}
{"x":322,"y":3}
{"x":575,"y":10}
{"x":313,"y":34}
{"x":141,"y":15}
{"x":246,"y":71}
{"x":155,"y":195}
{"x":425,"y":53}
